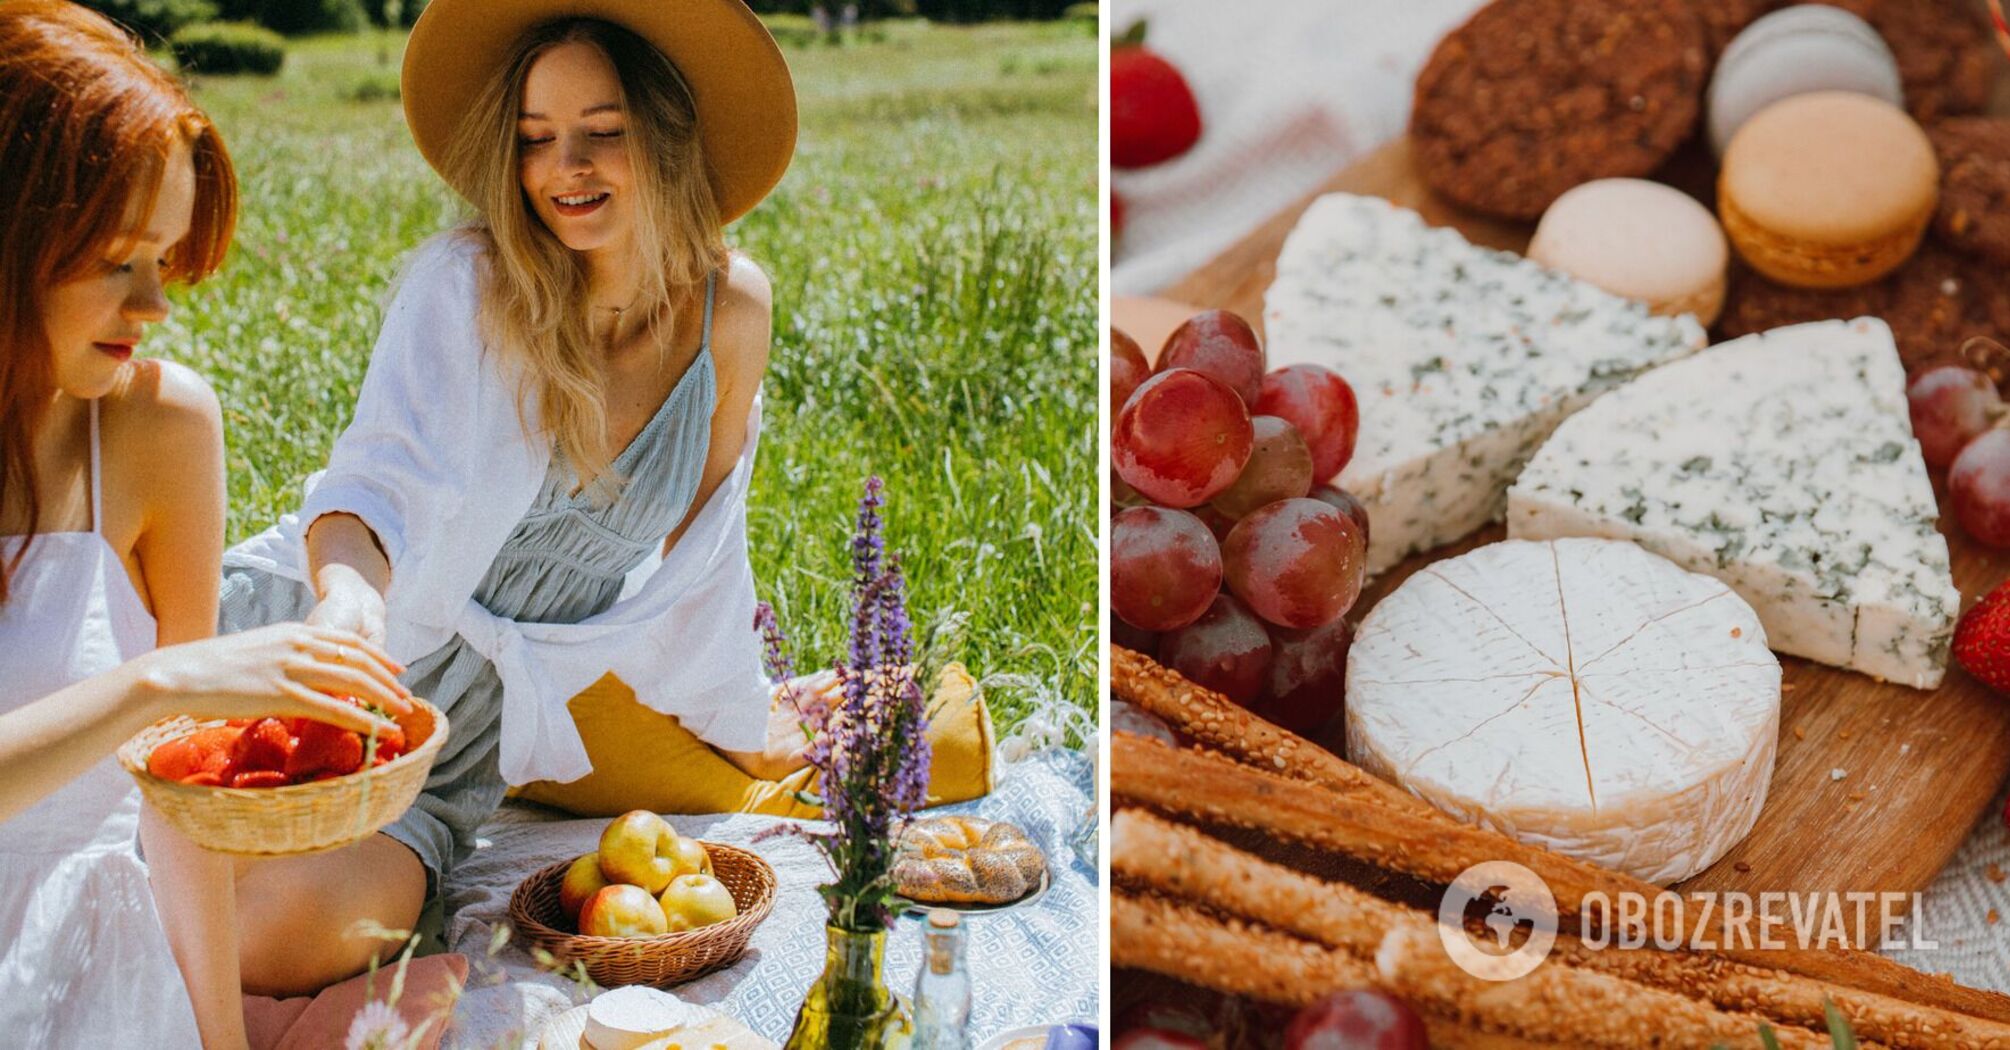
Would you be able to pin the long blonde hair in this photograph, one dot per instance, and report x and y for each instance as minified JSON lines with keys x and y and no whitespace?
{"x":534,"y":307}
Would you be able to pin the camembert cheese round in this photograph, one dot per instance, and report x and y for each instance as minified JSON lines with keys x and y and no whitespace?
{"x":1582,"y":695}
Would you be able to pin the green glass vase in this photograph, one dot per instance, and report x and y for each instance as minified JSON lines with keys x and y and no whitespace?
{"x":850,"y":1006}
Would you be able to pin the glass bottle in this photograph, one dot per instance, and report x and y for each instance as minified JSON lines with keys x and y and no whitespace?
{"x":942,"y":991}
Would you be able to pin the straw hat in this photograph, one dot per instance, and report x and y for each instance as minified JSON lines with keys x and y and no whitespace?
{"x":745,"y":99}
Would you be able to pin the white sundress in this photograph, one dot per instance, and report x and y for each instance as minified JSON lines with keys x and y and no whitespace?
{"x":84,"y":962}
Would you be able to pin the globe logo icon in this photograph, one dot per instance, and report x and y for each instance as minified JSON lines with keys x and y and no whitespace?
{"x":1498,"y":920}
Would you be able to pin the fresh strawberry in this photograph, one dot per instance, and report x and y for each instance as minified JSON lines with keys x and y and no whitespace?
{"x":1153,"y":115}
{"x":205,"y":750}
{"x":264,"y":746}
{"x":1982,"y":639}
{"x":322,"y":748}
{"x":204,"y":778}
{"x":175,"y":759}
{"x":259,"y":778}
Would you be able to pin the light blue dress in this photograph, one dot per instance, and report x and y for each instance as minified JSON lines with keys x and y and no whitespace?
{"x":564,"y":562}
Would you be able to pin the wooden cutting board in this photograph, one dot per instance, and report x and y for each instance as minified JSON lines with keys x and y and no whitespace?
{"x":1918,"y":767}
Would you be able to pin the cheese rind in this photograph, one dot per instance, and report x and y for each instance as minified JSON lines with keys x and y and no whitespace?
{"x":1782,"y":463}
{"x":636,"y":1016}
{"x":1582,"y":695}
{"x":1463,"y":359}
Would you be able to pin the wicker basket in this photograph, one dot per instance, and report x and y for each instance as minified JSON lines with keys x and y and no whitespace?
{"x":663,"y":960}
{"x":282,"y":821}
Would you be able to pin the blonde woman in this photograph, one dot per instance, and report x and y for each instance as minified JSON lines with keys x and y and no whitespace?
{"x":545,"y":478}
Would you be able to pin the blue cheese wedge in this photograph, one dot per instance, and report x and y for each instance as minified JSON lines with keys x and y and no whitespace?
{"x":1782,"y":463}
{"x":1463,"y":359}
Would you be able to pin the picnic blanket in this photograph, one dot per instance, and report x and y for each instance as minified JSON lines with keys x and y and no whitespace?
{"x":1034,"y":964}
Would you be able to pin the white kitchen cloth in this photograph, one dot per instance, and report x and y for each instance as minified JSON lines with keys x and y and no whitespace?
{"x":1289,"y":92}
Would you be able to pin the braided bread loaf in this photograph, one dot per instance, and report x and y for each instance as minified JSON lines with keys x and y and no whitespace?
{"x":966,"y":860}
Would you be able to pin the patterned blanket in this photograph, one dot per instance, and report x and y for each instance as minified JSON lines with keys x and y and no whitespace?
{"x":1033,"y":964}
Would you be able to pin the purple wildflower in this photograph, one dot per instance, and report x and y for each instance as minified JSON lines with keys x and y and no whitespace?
{"x":774,"y":646}
{"x":909,"y":708}
{"x":872,"y":753}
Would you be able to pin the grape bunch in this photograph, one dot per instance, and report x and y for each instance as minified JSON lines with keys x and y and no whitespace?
{"x":1959,"y":420}
{"x":1231,"y":559}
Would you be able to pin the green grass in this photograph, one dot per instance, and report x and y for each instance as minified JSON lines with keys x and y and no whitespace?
{"x":933,"y":254}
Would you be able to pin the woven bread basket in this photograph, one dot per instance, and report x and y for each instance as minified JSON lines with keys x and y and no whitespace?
{"x":282,"y":821}
{"x":665,"y":959}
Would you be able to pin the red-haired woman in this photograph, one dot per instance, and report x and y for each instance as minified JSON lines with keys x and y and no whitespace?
{"x":111,"y":524}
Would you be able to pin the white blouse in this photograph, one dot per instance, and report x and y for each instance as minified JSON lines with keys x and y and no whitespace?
{"x":438,"y":464}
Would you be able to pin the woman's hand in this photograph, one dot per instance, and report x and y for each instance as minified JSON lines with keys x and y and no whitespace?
{"x":348,"y":603}
{"x":788,"y":742}
{"x":285,"y":670}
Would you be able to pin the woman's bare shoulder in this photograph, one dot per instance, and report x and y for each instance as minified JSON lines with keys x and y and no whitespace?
{"x":162,"y":402}
{"x":742,"y":321}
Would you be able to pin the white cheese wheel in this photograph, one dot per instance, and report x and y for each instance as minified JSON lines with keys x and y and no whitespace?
{"x":1581,"y":695}
{"x":630,"y":1017}
{"x":1782,"y":463}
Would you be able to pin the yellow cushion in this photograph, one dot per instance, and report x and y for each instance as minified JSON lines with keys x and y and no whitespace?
{"x":646,"y":760}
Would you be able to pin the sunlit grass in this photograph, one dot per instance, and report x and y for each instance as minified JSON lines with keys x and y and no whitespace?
{"x":933,"y":257}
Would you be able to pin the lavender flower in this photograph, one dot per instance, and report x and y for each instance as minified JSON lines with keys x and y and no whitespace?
{"x":872,"y":754}
{"x":774,"y":646}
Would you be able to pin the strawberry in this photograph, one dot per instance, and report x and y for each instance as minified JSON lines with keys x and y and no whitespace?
{"x":322,"y":748}
{"x":259,"y":778}
{"x":264,"y":746}
{"x":1153,"y":115}
{"x":175,"y":759}
{"x":204,"y":778}
{"x":205,"y":750}
{"x":1982,"y":639}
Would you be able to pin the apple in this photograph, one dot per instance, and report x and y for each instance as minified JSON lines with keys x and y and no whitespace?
{"x":691,"y":857}
{"x":582,"y":880}
{"x":692,"y":901}
{"x":640,"y":849}
{"x":622,"y":911}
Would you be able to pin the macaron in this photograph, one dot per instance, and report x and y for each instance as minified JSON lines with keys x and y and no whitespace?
{"x":1637,"y":239}
{"x":1795,"y":50}
{"x":1828,"y":189}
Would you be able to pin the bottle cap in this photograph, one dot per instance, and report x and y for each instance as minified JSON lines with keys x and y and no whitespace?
{"x":943,"y":919}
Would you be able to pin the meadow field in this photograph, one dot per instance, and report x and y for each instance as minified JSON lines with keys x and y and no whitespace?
{"x":933,"y":255}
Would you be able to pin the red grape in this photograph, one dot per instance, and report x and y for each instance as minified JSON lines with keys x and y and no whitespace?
{"x":1297,"y":562}
{"x":1344,"y":500}
{"x":1362,"y":1019}
{"x":1950,"y":405}
{"x":1181,"y":438}
{"x":1164,"y":568}
{"x":1279,"y":467}
{"x":1222,"y":345}
{"x":1308,"y":676}
{"x":1132,"y":638}
{"x":1123,"y":495}
{"x":1128,"y":369}
{"x":1226,"y":650}
{"x":1216,"y":522}
{"x":1979,"y":482}
{"x":1321,"y":405}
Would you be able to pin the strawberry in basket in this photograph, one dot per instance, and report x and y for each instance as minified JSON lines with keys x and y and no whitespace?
{"x":275,"y":752}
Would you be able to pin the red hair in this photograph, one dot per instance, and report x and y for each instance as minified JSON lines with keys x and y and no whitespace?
{"x":87,"y":126}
